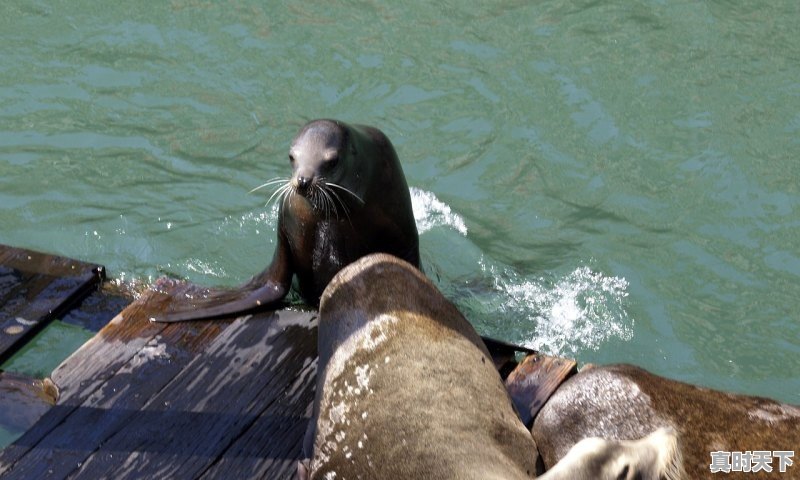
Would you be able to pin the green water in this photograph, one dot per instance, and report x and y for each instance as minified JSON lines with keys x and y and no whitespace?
{"x":44,"y":353}
{"x":38,"y":359}
{"x":613,"y":181}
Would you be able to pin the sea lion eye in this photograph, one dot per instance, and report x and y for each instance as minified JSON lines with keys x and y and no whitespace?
{"x":333,"y":161}
{"x":291,"y":159}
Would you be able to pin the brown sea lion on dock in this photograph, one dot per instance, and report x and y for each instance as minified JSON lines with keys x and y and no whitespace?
{"x":406,"y":390}
{"x":624,"y":402}
{"x":347,"y":198}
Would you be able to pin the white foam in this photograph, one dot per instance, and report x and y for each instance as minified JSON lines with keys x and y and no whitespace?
{"x":579,"y":311}
{"x":205,"y":268}
{"x":430,"y":212}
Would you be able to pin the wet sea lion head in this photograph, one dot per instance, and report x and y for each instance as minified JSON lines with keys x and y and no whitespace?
{"x":346,"y":197}
{"x":324,"y":165}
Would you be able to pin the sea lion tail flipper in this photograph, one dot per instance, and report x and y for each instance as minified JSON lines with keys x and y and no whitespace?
{"x":227,"y":304}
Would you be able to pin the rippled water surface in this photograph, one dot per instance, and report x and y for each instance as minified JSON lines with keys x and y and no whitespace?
{"x":611,"y":181}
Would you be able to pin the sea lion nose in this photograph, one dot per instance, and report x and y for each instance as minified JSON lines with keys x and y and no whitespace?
{"x":303,"y":183}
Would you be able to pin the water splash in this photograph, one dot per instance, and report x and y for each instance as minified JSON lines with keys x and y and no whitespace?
{"x":249,"y":223}
{"x":197,"y":265}
{"x":579,"y":311}
{"x":430,"y":212}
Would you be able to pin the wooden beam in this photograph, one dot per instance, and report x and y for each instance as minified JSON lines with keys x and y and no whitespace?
{"x":35,"y":288}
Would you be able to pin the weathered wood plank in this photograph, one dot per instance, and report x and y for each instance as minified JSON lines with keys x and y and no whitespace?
{"x":34,"y":289}
{"x":109,"y":408}
{"x":271,"y":447}
{"x":109,"y":377}
{"x":534,"y":380}
{"x":95,"y":361}
{"x":99,"y":307}
{"x":184,"y":428}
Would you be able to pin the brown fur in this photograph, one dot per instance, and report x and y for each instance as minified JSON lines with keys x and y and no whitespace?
{"x":627,"y":402}
{"x":406,"y":389}
{"x":654,"y":457}
{"x":402,"y":372}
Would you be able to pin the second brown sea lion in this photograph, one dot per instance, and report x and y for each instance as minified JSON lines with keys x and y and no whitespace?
{"x":626,"y":402}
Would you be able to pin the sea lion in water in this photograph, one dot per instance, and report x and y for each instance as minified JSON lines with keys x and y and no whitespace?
{"x":347,"y":198}
{"x":624,"y":401}
{"x":406,"y":389}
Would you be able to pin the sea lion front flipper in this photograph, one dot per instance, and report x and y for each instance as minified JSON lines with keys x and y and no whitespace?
{"x":264,"y":290}
{"x":228,"y":304}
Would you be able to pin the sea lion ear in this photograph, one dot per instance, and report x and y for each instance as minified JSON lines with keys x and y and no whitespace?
{"x":302,"y":469}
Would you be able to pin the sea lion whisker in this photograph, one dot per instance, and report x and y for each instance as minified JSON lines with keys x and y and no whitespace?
{"x":318,"y":202}
{"x":321,"y":185}
{"x":287,"y":191}
{"x":279,"y":191}
{"x":347,"y":190}
{"x":332,"y":198}
{"x":290,"y":194}
{"x":321,"y":202}
{"x":335,"y":196}
{"x":329,"y":201}
{"x":269,"y":182}
{"x":281,"y":195}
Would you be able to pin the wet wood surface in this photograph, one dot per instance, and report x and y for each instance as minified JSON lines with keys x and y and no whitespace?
{"x":35,"y":288}
{"x":205,"y":399}
{"x":197,"y":399}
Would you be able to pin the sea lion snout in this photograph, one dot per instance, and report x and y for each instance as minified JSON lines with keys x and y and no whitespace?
{"x":302,"y":183}
{"x":305,"y":174}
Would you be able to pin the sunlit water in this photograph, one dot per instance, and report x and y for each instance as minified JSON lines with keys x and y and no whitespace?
{"x":609,"y":181}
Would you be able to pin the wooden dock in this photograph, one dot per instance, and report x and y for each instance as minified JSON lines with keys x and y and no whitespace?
{"x":193,"y":400}
{"x":35,"y":288}
{"x":205,"y":399}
